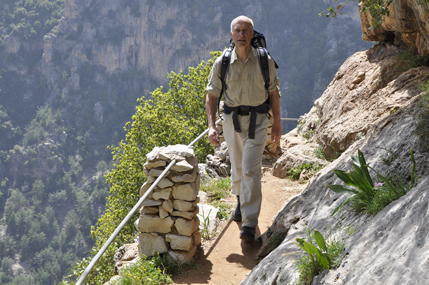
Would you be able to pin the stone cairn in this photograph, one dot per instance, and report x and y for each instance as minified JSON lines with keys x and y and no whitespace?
{"x":219,"y":164}
{"x":168,"y":221}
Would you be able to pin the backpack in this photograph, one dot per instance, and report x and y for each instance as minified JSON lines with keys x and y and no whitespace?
{"x":259,"y":43}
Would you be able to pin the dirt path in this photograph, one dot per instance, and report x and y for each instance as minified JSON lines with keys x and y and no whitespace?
{"x":226,"y":259}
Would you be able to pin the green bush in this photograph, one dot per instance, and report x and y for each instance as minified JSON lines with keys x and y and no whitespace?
{"x":319,"y":254}
{"x":366,"y":196}
{"x":422,"y":115}
{"x":295,"y":173}
{"x":150,"y":272}
{"x":217,"y":188}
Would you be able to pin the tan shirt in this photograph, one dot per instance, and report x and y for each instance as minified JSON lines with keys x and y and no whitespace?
{"x":244,"y":81}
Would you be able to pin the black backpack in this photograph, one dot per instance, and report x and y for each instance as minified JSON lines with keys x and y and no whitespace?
{"x":259,"y":43}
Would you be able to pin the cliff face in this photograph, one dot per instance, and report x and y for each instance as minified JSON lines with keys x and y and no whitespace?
{"x":128,"y":35}
{"x":139,"y":42}
{"x":407,"y":22}
{"x":370,"y":105}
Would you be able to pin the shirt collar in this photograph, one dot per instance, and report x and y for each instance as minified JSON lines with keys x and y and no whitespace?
{"x":253,"y":55}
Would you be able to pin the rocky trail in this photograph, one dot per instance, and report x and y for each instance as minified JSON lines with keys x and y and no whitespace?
{"x":226,"y":259}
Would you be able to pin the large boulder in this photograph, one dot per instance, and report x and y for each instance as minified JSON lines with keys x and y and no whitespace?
{"x":407,"y":21}
{"x":368,"y":87}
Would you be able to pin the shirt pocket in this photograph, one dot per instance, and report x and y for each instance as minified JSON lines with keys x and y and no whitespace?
{"x":257,"y":84}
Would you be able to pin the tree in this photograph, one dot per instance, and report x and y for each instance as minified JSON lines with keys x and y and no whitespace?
{"x":173,"y":117}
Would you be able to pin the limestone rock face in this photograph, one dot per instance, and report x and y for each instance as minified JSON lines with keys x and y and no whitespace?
{"x":368,"y":87}
{"x":296,"y":151}
{"x":407,"y":21}
{"x":124,"y":255}
{"x":384,"y":249}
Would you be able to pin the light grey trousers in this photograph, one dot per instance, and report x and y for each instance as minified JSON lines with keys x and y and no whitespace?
{"x":246,"y":163}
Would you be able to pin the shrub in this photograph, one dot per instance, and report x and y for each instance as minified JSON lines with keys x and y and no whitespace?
{"x":144,"y":272}
{"x":364,"y":191}
{"x":319,"y":254}
{"x":313,"y":168}
{"x":217,"y":188}
{"x":422,"y":115}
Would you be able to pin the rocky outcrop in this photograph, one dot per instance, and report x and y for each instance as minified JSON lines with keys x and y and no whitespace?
{"x":369,"y":86}
{"x":407,"y":22}
{"x":368,"y":106}
{"x":385,"y":249}
{"x":296,"y":151}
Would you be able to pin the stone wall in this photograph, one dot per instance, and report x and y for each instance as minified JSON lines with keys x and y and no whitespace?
{"x":168,"y":221}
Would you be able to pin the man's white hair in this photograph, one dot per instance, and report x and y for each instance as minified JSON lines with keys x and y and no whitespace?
{"x":232,"y":22}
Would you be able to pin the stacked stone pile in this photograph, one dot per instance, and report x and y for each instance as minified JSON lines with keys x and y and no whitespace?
{"x":168,"y":221}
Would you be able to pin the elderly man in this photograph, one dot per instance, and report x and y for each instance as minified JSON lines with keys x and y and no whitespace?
{"x":245,"y":93}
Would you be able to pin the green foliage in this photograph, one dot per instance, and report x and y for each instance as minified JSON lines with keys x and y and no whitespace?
{"x":276,"y":239}
{"x":168,"y":118}
{"x":8,"y":132}
{"x":318,"y":152}
{"x":377,"y":8}
{"x":217,"y":190}
{"x":101,"y":274}
{"x":384,"y":194}
{"x":422,"y":115}
{"x":410,"y":59}
{"x":144,"y":272}
{"x":364,"y":191}
{"x":294,"y":173}
{"x":29,"y":19}
{"x":205,"y":234}
{"x":319,"y":254}
{"x":44,"y":125}
{"x":225,"y":209}
{"x":389,"y":157}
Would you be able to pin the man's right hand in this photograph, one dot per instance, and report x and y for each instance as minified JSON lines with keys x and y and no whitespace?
{"x":214,"y":136}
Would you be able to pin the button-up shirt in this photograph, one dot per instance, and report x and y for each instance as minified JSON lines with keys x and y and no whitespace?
{"x":244,"y":81}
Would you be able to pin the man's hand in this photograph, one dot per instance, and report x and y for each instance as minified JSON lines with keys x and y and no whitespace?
{"x":276,"y":132}
{"x":211,"y":117}
{"x":214,"y":136}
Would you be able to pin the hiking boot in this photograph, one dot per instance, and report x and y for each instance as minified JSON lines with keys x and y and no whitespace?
{"x":236,"y":215}
{"x":247,"y":234}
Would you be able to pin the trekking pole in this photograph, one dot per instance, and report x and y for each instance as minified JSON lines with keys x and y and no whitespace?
{"x":131,"y":213}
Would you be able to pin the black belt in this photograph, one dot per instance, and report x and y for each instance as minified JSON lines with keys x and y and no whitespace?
{"x":245,"y":111}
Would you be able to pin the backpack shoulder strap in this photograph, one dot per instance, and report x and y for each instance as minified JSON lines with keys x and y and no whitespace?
{"x":263,"y":62}
{"x":226,"y":58}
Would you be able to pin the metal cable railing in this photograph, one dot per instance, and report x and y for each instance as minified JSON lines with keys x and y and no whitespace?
{"x":135,"y":208}
{"x":131,"y":213}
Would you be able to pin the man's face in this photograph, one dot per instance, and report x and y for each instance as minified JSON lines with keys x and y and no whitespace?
{"x":242,"y":33}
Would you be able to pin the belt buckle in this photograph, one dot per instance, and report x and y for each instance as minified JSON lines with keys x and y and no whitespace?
{"x":244,"y":110}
